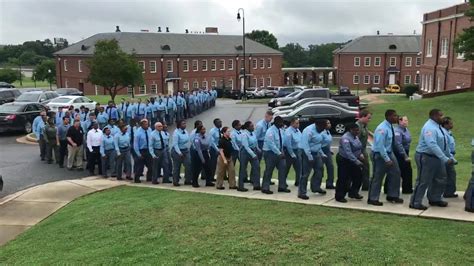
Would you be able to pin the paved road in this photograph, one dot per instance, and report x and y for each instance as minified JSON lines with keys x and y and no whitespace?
{"x":21,"y":167}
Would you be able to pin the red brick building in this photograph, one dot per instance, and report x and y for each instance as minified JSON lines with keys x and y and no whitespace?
{"x":173,"y":62}
{"x":442,"y":68}
{"x":377,"y":61}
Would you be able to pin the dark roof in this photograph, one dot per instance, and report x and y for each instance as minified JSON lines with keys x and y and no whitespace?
{"x":145,"y":43}
{"x":382,"y":44}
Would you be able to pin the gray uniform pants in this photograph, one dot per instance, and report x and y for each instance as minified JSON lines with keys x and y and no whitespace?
{"x":161,"y":162}
{"x":295,"y":162}
{"x":170,"y":117}
{"x":365,"y":171}
{"x":317,"y":166}
{"x":185,"y":160}
{"x":271,"y":161}
{"x":431,"y":176}
{"x":124,"y":163}
{"x":42,"y":147}
{"x":109,"y":163}
{"x":245,"y":159}
{"x":161,"y":116}
{"x":329,"y":166}
{"x":180,"y":113}
{"x":380,"y":171}
{"x":451,"y":180}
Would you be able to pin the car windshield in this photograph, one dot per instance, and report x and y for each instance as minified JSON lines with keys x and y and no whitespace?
{"x":28,"y":97}
{"x":292,"y":94}
{"x":60,"y":100}
{"x":62,"y":91}
{"x":10,"y":108}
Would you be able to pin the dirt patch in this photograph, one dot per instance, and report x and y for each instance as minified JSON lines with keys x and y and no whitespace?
{"x":372,"y":98}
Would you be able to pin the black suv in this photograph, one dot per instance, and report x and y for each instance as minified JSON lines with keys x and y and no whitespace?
{"x":8,"y":95}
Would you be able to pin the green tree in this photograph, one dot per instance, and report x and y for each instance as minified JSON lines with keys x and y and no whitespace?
{"x":112,"y":68}
{"x":264,"y":37}
{"x":9,"y":75}
{"x":464,"y":43}
{"x":321,"y":55}
{"x":294,"y":55}
{"x":46,"y":70}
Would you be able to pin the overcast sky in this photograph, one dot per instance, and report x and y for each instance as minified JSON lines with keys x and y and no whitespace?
{"x":302,"y":21}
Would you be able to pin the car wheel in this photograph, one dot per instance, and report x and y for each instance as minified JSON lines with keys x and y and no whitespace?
{"x":340,"y":129}
{"x":27,"y":127}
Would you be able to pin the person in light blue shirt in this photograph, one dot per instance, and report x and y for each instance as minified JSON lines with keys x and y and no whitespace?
{"x":311,"y":155}
{"x":128,"y":112}
{"x":159,"y":145}
{"x":274,"y":157}
{"x":215,"y":135}
{"x":38,"y":125}
{"x":431,"y":161}
{"x":197,"y":123}
{"x":180,"y":154}
{"x":141,"y":147}
{"x":160,"y":106}
{"x":170,"y":109}
{"x":402,"y":153}
{"x":249,"y":154}
{"x":102,"y":118}
{"x":327,"y":161}
{"x":121,"y":108}
{"x":107,"y":151}
{"x":139,"y":110}
{"x":112,"y":111}
{"x":149,"y":114}
{"x":261,"y":129}
{"x":59,"y":116}
{"x":384,"y":162}
{"x":200,"y":157}
{"x":180,"y":106}
{"x":113,"y":128}
{"x":450,"y":151}
{"x":191,"y":105}
{"x":236,"y":141}
{"x":123,"y":155}
{"x":292,"y":154}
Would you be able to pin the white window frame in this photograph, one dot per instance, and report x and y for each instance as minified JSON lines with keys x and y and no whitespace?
{"x":185,"y":65}
{"x":408,"y":61}
{"x":261,"y":82}
{"x":214,"y":83}
{"x":213,"y":64}
{"x":354,"y":77}
{"x":379,"y":59}
{"x":444,"y":48}
{"x":141,"y":63}
{"x":140,"y":89}
{"x":254,"y":64}
{"x":418,"y":61}
{"x":221,"y":64}
{"x":195,"y":65}
{"x":65,"y":64}
{"x":407,"y":78}
{"x":269,"y":81}
{"x":205,"y":84}
{"x":204,"y":65}
{"x":195,"y":84}
{"x":367,"y":61}
{"x":269,"y":63}
{"x":438,"y":83}
{"x":366,"y":79}
{"x":96,"y":89}
{"x":255,"y":82}
{"x":230,"y":64}
{"x":231,"y":82}
{"x":357,"y":61}
{"x":130,"y":90}
{"x":186,"y":85}
{"x":152,"y":63}
{"x":168,"y":64}
{"x":154,"y":89}
{"x":417,"y":78}
{"x":376,"y":79}
{"x":394,"y":61}
{"x":429,"y":48}
{"x":79,"y":65}
{"x":262,"y":63}
{"x":66,"y":83}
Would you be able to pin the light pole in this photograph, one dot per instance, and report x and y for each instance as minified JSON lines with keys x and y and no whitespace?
{"x":243,"y":46}
{"x":49,"y":79}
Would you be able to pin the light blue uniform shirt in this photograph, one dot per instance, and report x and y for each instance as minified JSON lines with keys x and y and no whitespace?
{"x":261,"y":129}
{"x":141,"y":142}
{"x":149,"y":110}
{"x":139,"y":109}
{"x":170,"y":104}
{"x":350,"y":148}
{"x":235,"y":139}
{"x":292,"y":140}
{"x":180,"y":140}
{"x":39,"y":129}
{"x":249,"y":142}
{"x":58,"y":120}
{"x":36,"y":121}
{"x":160,"y":105}
{"x":114,"y":130}
{"x":102,"y":118}
{"x":107,"y":144}
{"x":181,"y":102}
{"x":155,"y":141}
{"x":192,"y":99}
{"x":452,"y":143}
{"x":433,"y":140}
{"x":122,"y":141}
{"x":272,"y":140}
{"x":112,"y":112}
{"x":383,"y":140}
{"x":128,"y":110}
{"x":311,"y":141}
{"x":215,"y":135}
{"x":327,"y":138}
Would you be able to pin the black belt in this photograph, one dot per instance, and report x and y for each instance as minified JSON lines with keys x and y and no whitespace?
{"x":427,"y":154}
{"x":124,"y":147}
{"x":159,"y":149}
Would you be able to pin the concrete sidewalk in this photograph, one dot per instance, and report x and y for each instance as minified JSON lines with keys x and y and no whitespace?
{"x":20,"y":211}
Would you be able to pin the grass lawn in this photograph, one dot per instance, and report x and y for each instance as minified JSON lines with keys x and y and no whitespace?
{"x":29,"y":83}
{"x":458,"y":106}
{"x":130,"y":225}
{"x":104,"y":99}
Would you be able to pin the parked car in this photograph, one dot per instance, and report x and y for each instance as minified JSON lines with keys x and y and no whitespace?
{"x":37,"y":96}
{"x":66,"y":101}
{"x":19,"y":116}
{"x":351,"y":100}
{"x":344,"y":90}
{"x":307,"y":101}
{"x":392,"y":88}
{"x":69,"y":91}
{"x":338,"y":116}
{"x":8,"y":95}
{"x":254,"y":92}
{"x":285,"y":91}
{"x":6,"y":85}
{"x":270,"y":92}
{"x":233,"y":94}
{"x":374,"y":90}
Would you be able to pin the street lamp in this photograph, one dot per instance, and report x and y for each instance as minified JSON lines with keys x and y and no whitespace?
{"x":243,"y":46}
{"x":49,"y":79}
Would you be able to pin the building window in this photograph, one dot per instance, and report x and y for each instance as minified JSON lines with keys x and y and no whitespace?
{"x":65,"y":65}
{"x":204,"y":65}
{"x":254,"y":64}
{"x":356,"y":61}
{"x":152,"y":66}
{"x":377,"y":61}
{"x":355,"y":79}
{"x":153,"y":89}
{"x":79,"y":65}
{"x":66,"y":83}
{"x":169,"y":66}
{"x":230,"y":64}
{"x":195,"y":65}
{"x":366,"y":79}
{"x":213,"y":65}
{"x":255,"y":82}
{"x":142,"y":89}
{"x":186,"y":85}
{"x":185,"y":65}
{"x":367,"y":61}
{"x":438,"y":83}
{"x":262,"y":63}
{"x":204,"y":84}
{"x":376,"y":79}
{"x":195,"y":84}
{"x":141,"y":64}
{"x":418,"y":61}
{"x":269,"y":81}
{"x":444,"y":48}
{"x":407,"y":79}
{"x":222,"y":64}
{"x":430,"y":83}
{"x":269,"y":63}
{"x":417,"y":79}
{"x":214,"y":83}
{"x":393,"y":61}
{"x":262,"y":82}
{"x":429,"y":48}
{"x":130,"y":90}
{"x":230,"y":84}
{"x":408,"y":61}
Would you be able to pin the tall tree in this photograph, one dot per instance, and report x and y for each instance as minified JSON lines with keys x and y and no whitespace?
{"x":294,"y":55}
{"x":264,"y":37}
{"x":112,"y":68}
{"x":464,"y":43}
{"x":9,"y":75}
{"x":46,"y":70}
{"x":321,"y":55}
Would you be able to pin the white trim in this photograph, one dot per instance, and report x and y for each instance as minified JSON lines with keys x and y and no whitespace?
{"x":154,"y":89}
{"x":213,"y":83}
{"x":357,"y":59}
{"x":204,"y":65}
{"x":79,"y":65}
{"x":269,"y":63}
{"x":65,"y":65}
{"x":230,"y":64}
{"x":195,"y":84}
{"x":142,"y":89}
{"x":444,"y":48}
{"x":185,"y":65}
{"x":418,"y":61}
{"x":168,"y":64}
{"x":405,"y":79}
{"x":255,"y":82}
{"x":261,"y":82}
{"x":443,"y":18}
{"x":262,"y":63}
{"x":142,"y":65}
{"x":195,"y":65}
{"x":460,"y":56}
{"x":366,"y":79}
{"x":254,"y":63}
{"x":151,"y":69}
{"x":130,"y":90}
{"x":376,"y":81}
{"x":205,"y":84}
{"x":354,"y":79}
{"x":390,"y":61}
{"x":369,"y":62}
{"x":96,"y":90}
{"x":213,"y":65}
{"x":222,"y":64}
{"x":375,"y":61}
{"x":408,"y":63}
{"x":231,"y":82}
{"x":429,"y":48}
{"x":438,"y":83}
{"x":186,"y":85}
{"x":269,"y":81}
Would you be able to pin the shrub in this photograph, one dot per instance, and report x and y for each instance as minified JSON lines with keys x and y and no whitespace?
{"x":9,"y":75}
{"x":411,"y":89}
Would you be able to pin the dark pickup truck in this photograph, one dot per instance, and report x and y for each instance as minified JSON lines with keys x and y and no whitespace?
{"x":350,"y":99}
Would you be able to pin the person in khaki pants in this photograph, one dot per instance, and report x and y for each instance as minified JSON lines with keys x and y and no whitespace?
{"x":224,"y":162}
{"x":75,"y":139}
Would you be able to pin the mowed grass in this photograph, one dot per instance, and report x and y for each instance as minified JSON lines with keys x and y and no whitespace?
{"x":104,"y":99}
{"x":458,"y":106}
{"x":130,"y":225}
{"x":29,"y":83}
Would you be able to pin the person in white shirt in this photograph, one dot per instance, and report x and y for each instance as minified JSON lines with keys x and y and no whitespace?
{"x":94,"y":139}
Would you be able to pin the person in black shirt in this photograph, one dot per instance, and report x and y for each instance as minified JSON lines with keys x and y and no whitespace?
{"x":75,"y":137}
{"x":224,"y":162}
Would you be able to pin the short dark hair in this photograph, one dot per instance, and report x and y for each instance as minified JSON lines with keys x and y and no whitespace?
{"x":180,"y":122}
{"x":235,"y":123}
{"x":321,"y":122}
{"x":196,"y":123}
{"x":352,"y":126}
{"x":277,"y":119}
{"x":446,"y":120}
{"x":269,"y":112}
{"x":199,"y":128}
{"x":389,"y":113}
{"x":434,"y":112}
{"x":294,"y":119}
{"x":364,"y":113}
{"x":246,"y":125}
{"x":215,"y":120}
